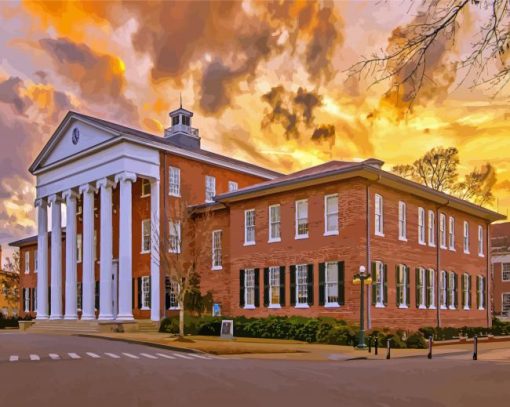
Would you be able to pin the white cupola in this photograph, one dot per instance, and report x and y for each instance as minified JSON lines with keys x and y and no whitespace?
{"x":180,"y":132}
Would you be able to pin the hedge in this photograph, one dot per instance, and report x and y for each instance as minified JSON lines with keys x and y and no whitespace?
{"x":11,"y":322}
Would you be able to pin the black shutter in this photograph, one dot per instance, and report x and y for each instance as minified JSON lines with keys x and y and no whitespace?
{"x":167,"y":293}
{"x":397,"y":282}
{"x":417,"y":285}
{"x":447,"y":302}
{"x":456,"y":289}
{"x":469,"y":291}
{"x":292,"y":285}
{"x":257,"y":288}
{"x":139,"y":293}
{"x":150,"y":292}
{"x":341,"y":285}
{"x":322,"y":291}
{"x":374,"y":282}
{"x":463,"y":294}
{"x":132,"y":293}
{"x":282,"y":286}
{"x":408,"y":286}
{"x":96,"y":302}
{"x":266,"y":287}
{"x":385,"y":292}
{"x":241,"y":288}
{"x":309,"y":276}
{"x":427,"y":289}
{"x":31,"y":291}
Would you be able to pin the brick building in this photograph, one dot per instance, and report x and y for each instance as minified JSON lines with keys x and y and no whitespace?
{"x":500,"y":259}
{"x":277,"y":244}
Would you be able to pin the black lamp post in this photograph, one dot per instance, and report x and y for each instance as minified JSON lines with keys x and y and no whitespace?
{"x":363,"y":275}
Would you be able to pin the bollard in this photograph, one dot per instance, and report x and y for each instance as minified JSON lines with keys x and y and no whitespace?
{"x":376,"y":345}
{"x":388,"y":349}
{"x":430,"y":347}
{"x":475,"y":348}
{"x":369,"y":344}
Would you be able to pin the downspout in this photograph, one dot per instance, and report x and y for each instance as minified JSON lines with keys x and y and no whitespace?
{"x":489,"y":281}
{"x":369,"y":292}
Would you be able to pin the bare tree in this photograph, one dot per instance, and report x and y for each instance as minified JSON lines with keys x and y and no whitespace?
{"x":437,"y":169}
{"x":10,"y":280}
{"x":411,"y":58}
{"x":183,"y":240}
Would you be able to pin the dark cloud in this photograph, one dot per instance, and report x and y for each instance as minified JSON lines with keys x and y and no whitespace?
{"x":100,"y":77}
{"x":323,"y":132}
{"x":308,"y":101}
{"x":10,"y":93}
{"x":42,"y":76}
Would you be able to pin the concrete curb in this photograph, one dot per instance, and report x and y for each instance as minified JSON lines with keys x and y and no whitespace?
{"x":151,"y":344}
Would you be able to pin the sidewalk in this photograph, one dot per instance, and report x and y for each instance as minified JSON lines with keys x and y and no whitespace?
{"x":295,"y":350}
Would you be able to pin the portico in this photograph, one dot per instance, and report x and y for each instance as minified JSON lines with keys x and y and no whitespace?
{"x":68,"y":172}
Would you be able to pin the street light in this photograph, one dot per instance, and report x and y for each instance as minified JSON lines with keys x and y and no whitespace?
{"x":362,"y":277}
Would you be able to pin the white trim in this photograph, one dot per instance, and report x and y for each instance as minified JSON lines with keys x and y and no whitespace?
{"x":249,"y":307}
{"x":274,"y":306}
{"x":246,"y":241}
{"x":337,"y":213}
{"x":421,"y":226}
{"x":402,"y":221}
{"x":332,"y":305}
{"x":302,"y":305}
{"x":296,"y":219}
{"x":451,"y":233}
{"x":443,"y":235}
{"x":273,"y":269}
{"x":214,"y":248}
{"x":270,"y":223}
{"x":465,"y":237}
{"x":432,"y":228}
{"x":177,"y":185}
{"x":377,"y":231}
{"x":480,"y":241}
{"x":144,"y":226}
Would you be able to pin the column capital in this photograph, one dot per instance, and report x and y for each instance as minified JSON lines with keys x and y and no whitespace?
{"x":54,"y":199}
{"x":41,"y":203}
{"x":70,"y":194}
{"x":87,"y":189}
{"x":125,"y":177}
{"x":105,"y":183}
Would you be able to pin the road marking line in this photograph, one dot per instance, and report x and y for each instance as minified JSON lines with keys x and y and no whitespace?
{"x":199,"y":356}
{"x":14,"y":358}
{"x":164,"y":355}
{"x":34,"y":357}
{"x":129,"y":355}
{"x":93,"y":355}
{"x":74,"y":356}
{"x":148,"y":356}
{"x":54,"y":356}
{"x":112,"y":355}
{"x":179,"y":355}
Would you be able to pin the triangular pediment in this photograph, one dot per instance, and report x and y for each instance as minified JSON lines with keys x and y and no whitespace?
{"x":76,"y":134}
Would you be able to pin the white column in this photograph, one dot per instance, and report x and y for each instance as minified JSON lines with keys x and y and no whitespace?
{"x":42,"y":258}
{"x":88,"y":281}
{"x":125,"y":245}
{"x":70,"y":290}
{"x":56,"y":257}
{"x":105,"y":262}
{"x":155,"y":233}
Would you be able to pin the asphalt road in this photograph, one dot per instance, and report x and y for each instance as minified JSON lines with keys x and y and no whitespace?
{"x":46,"y":370}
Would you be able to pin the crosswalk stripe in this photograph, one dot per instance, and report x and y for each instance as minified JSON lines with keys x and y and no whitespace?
{"x":54,"y":356}
{"x":129,"y":355}
{"x":164,"y":355}
{"x":112,"y":355}
{"x":14,"y":358}
{"x":199,"y":356}
{"x":148,"y":356}
{"x":34,"y":357}
{"x":180,"y":355}
{"x":93,"y":355}
{"x":74,"y":356}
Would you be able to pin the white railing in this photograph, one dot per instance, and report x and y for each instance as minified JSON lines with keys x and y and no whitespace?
{"x":181,"y":128}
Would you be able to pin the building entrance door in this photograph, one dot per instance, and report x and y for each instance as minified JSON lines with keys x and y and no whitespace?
{"x":115,"y":289}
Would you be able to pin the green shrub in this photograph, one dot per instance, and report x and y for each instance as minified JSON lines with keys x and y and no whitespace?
{"x":340,"y":335}
{"x":416,"y":341}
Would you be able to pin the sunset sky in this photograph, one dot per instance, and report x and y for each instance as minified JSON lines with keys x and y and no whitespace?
{"x":267,"y":83}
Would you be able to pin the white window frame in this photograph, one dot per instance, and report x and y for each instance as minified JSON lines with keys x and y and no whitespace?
{"x":233,"y":186}
{"x":174,"y":292}
{"x":466,"y":237}
{"x":402,"y":301}
{"x":402,"y":221}
{"x":421,"y":226}
{"x":302,"y":270}
{"x":301,"y":221}
{"x":27,"y":262}
{"x":451,"y":233}
{"x":379,"y":282}
{"x":274,"y":224}
{"x":174,"y":237}
{"x":145,"y":182}
{"x":27,"y":300}
{"x":481,"y":292}
{"x":174,"y":180}
{"x":452,"y":289}
{"x":36,"y":262}
{"x":249,"y":288}
{"x":503,"y":303}
{"x":466,"y":291}
{"x":480,"y":241}
{"x":432,"y":229}
{"x":210,"y":188}
{"x":274,"y":285}
{"x":249,"y":227}
{"x":442,"y":230}
{"x":503,"y":272}
{"x":379,"y":215}
{"x":216,"y":249}
{"x":422,"y":272}
{"x":432,"y":278}
{"x":334,"y":214}
{"x":146,"y":293}
{"x":146,"y":236}
{"x":443,"y":290}
{"x":330,"y":282}
{"x":79,"y":247}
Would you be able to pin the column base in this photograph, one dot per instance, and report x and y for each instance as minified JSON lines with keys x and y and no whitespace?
{"x":88,"y":317}
{"x":106,"y":317}
{"x":125,"y":317}
{"x":41,"y":317}
{"x":71,"y":317}
{"x":55,"y":317}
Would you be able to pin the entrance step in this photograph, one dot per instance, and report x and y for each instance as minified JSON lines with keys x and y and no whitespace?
{"x":146,"y":325}
{"x":64,"y":326}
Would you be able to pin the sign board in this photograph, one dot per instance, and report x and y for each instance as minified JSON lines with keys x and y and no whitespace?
{"x":227,"y":328}
{"x":216,"y":310}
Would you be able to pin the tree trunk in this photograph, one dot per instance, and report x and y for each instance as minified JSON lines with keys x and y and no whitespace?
{"x":181,"y":319}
